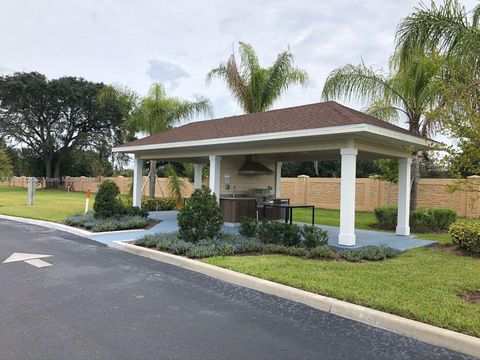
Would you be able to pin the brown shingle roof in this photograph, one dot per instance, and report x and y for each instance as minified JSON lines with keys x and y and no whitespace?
{"x":313,"y":116}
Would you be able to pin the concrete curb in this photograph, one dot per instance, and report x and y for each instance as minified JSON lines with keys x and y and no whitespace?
{"x":414,"y":329}
{"x":49,"y":224}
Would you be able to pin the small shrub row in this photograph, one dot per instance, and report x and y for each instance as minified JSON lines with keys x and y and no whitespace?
{"x":228,"y":244}
{"x":421,"y":220}
{"x":369,"y":253}
{"x":466,"y":235}
{"x":275,"y":232}
{"x":158,"y":204}
{"x":89,"y":222}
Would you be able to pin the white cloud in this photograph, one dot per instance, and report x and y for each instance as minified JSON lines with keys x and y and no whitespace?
{"x":166,"y":72}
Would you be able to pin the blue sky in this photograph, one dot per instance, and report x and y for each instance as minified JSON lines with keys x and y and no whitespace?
{"x":135,"y":43}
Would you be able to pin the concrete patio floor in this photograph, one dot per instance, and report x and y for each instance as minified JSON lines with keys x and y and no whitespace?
{"x":168,"y":223}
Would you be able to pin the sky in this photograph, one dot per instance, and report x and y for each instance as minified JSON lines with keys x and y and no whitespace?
{"x":136,"y":43}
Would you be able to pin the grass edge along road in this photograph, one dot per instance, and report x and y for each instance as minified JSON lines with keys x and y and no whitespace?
{"x":422,"y":284}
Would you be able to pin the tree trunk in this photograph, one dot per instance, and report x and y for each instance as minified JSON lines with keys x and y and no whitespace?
{"x":415,"y":177}
{"x":152,"y":175}
{"x":56,"y":174}
{"x":48,"y":170}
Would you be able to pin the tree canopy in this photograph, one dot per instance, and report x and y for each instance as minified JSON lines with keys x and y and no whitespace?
{"x":52,"y":117}
{"x":254,"y":87}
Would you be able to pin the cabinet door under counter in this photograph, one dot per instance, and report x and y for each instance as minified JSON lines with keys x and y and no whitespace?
{"x":236,"y":208}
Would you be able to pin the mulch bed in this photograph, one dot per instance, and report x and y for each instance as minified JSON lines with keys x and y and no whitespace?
{"x":473,"y":297}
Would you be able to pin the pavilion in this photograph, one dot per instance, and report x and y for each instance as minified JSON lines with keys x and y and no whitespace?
{"x":320,"y":131}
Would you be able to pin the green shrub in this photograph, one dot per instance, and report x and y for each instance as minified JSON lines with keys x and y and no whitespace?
{"x":444,"y":217}
{"x":421,"y":220}
{"x":386,"y":216}
{"x":369,"y":253}
{"x":275,"y":232}
{"x":322,"y":252}
{"x":313,"y":236}
{"x":432,"y":219}
{"x":107,"y":203}
{"x":201,"y":217}
{"x":248,"y":227}
{"x":466,"y":235}
{"x":158,"y":204}
{"x":148,"y":241}
{"x":284,"y":250}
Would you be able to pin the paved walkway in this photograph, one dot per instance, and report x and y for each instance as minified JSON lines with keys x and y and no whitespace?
{"x":168,"y":223}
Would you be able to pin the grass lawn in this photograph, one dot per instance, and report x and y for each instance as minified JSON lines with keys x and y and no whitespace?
{"x":421,"y":284}
{"x":50,"y":204}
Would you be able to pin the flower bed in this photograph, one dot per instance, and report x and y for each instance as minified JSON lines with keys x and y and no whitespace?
{"x":124,"y":222}
{"x":226,"y":244}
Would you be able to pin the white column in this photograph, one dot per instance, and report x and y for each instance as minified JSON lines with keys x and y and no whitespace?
{"x":197,"y":178}
{"x":347,"y":197}
{"x":278,"y":179}
{"x":403,"y":216}
{"x":137,"y":182}
{"x":215,"y":162}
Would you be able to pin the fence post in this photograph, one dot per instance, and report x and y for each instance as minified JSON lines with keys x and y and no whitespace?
{"x":304,"y":186}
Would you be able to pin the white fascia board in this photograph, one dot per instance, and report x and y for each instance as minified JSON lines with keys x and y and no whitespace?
{"x":332,"y":130}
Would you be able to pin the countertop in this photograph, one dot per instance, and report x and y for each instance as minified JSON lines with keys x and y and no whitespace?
{"x":236,"y":198}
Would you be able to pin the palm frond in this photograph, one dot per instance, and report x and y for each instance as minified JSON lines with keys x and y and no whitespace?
{"x":175,"y":185}
{"x":445,"y":28}
{"x":360,"y":83}
{"x":157,"y":112}
{"x":254,"y":87}
{"x":184,"y":109}
{"x":280,"y":76}
{"x":236,"y":84}
{"x":384,"y":111}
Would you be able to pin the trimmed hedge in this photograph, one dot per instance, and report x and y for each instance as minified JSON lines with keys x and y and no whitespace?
{"x":280,"y":233}
{"x":466,"y":235}
{"x":158,"y":204}
{"x":421,"y":220}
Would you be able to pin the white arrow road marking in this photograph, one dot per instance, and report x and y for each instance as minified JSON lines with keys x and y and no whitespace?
{"x":32,"y":259}
{"x":38,"y":263}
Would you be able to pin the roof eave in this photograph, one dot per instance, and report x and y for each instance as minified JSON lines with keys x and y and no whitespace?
{"x":414,"y":140}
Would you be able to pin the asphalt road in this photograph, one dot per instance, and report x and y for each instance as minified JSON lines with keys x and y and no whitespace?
{"x":95,"y":302}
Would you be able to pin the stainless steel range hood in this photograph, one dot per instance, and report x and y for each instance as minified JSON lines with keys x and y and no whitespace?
{"x":252,"y":167}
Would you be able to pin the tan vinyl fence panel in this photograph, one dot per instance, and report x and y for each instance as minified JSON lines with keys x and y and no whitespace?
{"x":321,"y":192}
{"x":371,"y":192}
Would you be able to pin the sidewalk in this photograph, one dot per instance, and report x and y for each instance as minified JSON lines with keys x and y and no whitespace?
{"x":168,"y":223}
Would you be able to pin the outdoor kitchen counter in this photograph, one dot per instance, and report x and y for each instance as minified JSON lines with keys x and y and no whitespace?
{"x":234,"y":208}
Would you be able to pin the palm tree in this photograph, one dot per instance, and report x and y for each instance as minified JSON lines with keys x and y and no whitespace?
{"x":455,"y":33}
{"x":157,"y":112}
{"x":254,"y":87}
{"x":445,"y":28}
{"x":407,"y":92}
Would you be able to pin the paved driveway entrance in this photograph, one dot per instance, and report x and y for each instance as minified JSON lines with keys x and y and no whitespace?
{"x":95,"y":302}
